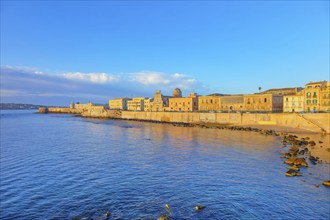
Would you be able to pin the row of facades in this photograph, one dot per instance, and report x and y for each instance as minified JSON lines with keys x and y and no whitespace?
{"x":315,"y":97}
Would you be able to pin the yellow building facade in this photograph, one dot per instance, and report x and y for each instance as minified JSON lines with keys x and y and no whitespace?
{"x":232,"y":103}
{"x":147,"y":103}
{"x":325,"y":98}
{"x":187,"y":104}
{"x":118,"y":104}
{"x":160,"y":103}
{"x":293,"y":103}
{"x":209,"y":103}
{"x":312,"y":96}
{"x":81,"y":106}
{"x":263,"y":102}
{"x":136,"y":104}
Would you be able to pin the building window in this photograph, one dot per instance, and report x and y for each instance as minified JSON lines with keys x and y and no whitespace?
{"x":211,"y":101}
{"x":265,"y":100}
{"x":287,"y":99}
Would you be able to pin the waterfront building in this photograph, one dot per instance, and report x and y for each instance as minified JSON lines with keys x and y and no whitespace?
{"x":136,"y":104}
{"x":263,"y":102}
{"x":118,"y":104}
{"x":209,"y":103}
{"x":312,"y":95}
{"x":86,"y":106}
{"x":232,"y":103}
{"x":160,"y":103}
{"x":80,"y":106}
{"x":325,"y":98}
{"x":177,"y":93}
{"x":283,"y":91}
{"x":293,"y":103}
{"x":147,"y":104}
{"x":187,"y":104}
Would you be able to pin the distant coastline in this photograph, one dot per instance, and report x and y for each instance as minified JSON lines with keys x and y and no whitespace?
{"x":21,"y":106}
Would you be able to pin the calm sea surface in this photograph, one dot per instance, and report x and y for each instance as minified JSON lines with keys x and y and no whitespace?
{"x":62,"y":167}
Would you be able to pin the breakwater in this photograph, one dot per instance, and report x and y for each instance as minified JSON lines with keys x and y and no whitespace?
{"x":315,"y":122}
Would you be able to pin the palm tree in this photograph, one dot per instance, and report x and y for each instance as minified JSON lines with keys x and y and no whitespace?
{"x":259,"y":88}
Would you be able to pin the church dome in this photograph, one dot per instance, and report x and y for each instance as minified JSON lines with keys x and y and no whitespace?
{"x":177,"y":92}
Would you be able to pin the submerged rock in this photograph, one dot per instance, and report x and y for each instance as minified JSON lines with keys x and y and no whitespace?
{"x":300,"y":162}
{"x":296,"y":161}
{"x":295,"y":168}
{"x":326,"y":183}
{"x":292,"y":173}
{"x":163,"y":217}
{"x":286,"y":155}
{"x":313,"y":160}
{"x":106,"y":215}
{"x":312,"y":143}
{"x":199,"y":208}
{"x":168,"y":208}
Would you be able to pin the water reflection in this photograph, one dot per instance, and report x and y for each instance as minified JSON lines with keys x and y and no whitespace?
{"x":133,"y":169}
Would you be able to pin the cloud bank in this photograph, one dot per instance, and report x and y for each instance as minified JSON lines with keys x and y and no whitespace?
{"x":29,"y":85}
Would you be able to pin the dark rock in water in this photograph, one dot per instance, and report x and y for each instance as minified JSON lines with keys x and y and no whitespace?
{"x":317,"y":185}
{"x":302,"y":152}
{"x":296,"y":161}
{"x":286,"y":155}
{"x":106,"y":215}
{"x":163,"y":217}
{"x":313,"y":160}
{"x":295,"y":168}
{"x":290,"y":161}
{"x":294,"y":150}
{"x":326,"y":183}
{"x":199,"y":208}
{"x":306,"y":150}
{"x":312,"y":143}
{"x":292,"y":173}
{"x":168,"y":208}
{"x":300,"y":162}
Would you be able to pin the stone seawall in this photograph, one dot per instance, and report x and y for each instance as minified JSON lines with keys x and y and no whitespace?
{"x":316,"y":122}
{"x":319,"y":122}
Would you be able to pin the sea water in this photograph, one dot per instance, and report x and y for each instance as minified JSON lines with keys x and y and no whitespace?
{"x":57,"y":166}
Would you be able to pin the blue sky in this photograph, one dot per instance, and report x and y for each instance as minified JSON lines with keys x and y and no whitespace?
{"x":57,"y":52}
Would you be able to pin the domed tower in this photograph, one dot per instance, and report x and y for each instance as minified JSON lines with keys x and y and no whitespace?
{"x":177,"y":93}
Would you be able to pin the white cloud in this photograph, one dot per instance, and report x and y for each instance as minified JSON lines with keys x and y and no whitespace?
{"x":24,"y":83}
{"x":12,"y":93}
{"x":160,"y":79}
{"x":91,"y":77}
{"x":149,"y":78}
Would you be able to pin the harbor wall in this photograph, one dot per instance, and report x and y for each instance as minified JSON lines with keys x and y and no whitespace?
{"x":317,"y":122}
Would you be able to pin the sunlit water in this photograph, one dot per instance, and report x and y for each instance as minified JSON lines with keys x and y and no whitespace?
{"x":61,"y":167}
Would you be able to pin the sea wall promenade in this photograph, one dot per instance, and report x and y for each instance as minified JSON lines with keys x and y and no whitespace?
{"x":316,"y":122}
